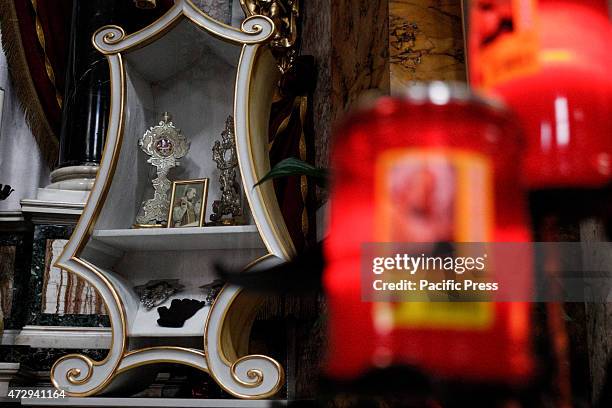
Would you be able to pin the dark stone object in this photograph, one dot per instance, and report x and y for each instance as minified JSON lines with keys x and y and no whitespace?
{"x":180,"y":310}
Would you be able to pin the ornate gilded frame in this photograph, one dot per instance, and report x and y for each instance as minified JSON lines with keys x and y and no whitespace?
{"x":232,"y":313}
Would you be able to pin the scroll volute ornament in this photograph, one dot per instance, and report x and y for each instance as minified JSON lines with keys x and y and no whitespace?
{"x":284,"y":14}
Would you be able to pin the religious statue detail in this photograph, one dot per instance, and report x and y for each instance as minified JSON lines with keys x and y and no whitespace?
{"x":165,"y":144}
{"x":224,"y":154}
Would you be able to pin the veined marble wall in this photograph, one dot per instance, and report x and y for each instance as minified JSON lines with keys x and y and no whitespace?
{"x":63,"y":292}
{"x":7,"y":276}
{"x":349,"y":43}
{"x":425,"y":41}
{"x":349,"y":40}
{"x":58,"y":298}
{"x":15,"y":254}
{"x":377,"y":44}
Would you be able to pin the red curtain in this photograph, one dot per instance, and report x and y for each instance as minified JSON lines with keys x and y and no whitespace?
{"x":35,"y":38}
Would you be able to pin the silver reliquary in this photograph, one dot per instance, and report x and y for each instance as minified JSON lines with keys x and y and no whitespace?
{"x":227,"y":209}
{"x":165,"y":144}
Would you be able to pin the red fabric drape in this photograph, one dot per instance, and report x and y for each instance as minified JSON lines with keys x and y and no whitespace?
{"x":46,"y":23}
{"x":35,"y":38}
{"x":290,"y":126}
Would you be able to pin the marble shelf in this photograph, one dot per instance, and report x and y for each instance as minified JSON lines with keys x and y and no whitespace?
{"x":147,"y":402}
{"x":181,"y":239}
{"x":144,"y":322}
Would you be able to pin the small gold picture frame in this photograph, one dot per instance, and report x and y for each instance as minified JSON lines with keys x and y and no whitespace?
{"x":188,"y":203}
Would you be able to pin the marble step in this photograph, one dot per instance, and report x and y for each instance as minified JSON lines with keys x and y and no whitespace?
{"x":149,"y":402}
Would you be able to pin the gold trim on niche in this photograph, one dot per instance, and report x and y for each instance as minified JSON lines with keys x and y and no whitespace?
{"x":109,"y":39}
{"x":155,"y":348}
{"x":286,"y":244}
{"x":258,"y":377}
{"x":82,"y":240}
{"x":199,"y":353}
{"x":223,"y":315}
{"x":224,"y":320}
{"x":256,"y":261}
{"x":105,"y":40}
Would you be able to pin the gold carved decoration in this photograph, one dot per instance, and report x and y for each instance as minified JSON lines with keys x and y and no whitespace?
{"x":284,"y":14}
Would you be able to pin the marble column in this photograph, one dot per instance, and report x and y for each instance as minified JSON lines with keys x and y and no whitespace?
{"x":86,"y":98}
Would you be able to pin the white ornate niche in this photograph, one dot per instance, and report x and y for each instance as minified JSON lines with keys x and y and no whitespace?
{"x":200,"y":71}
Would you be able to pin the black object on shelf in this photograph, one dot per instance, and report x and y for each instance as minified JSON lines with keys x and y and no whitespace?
{"x":5,"y":191}
{"x":180,"y":310}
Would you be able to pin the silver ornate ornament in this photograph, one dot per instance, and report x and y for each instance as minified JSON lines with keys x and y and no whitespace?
{"x":155,"y":292}
{"x":224,"y":154}
{"x":212,"y":290}
{"x":165,"y":144}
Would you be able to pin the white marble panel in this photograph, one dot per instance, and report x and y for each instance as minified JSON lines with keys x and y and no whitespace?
{"x":64,"y":337}
{"x":198,"y":266}
{"x":21,"y":163}
{"x":180,"y":50}
{"x":131,"y":184}
{"x":200,"y":101}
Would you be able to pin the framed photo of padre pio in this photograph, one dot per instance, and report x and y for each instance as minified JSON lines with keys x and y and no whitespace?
{"x":188,"y":203}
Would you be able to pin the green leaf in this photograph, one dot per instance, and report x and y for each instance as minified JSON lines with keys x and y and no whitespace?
{"x":295,"y":167}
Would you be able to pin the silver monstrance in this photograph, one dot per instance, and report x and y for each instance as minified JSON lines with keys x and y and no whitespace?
{"x":165,"y":144}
